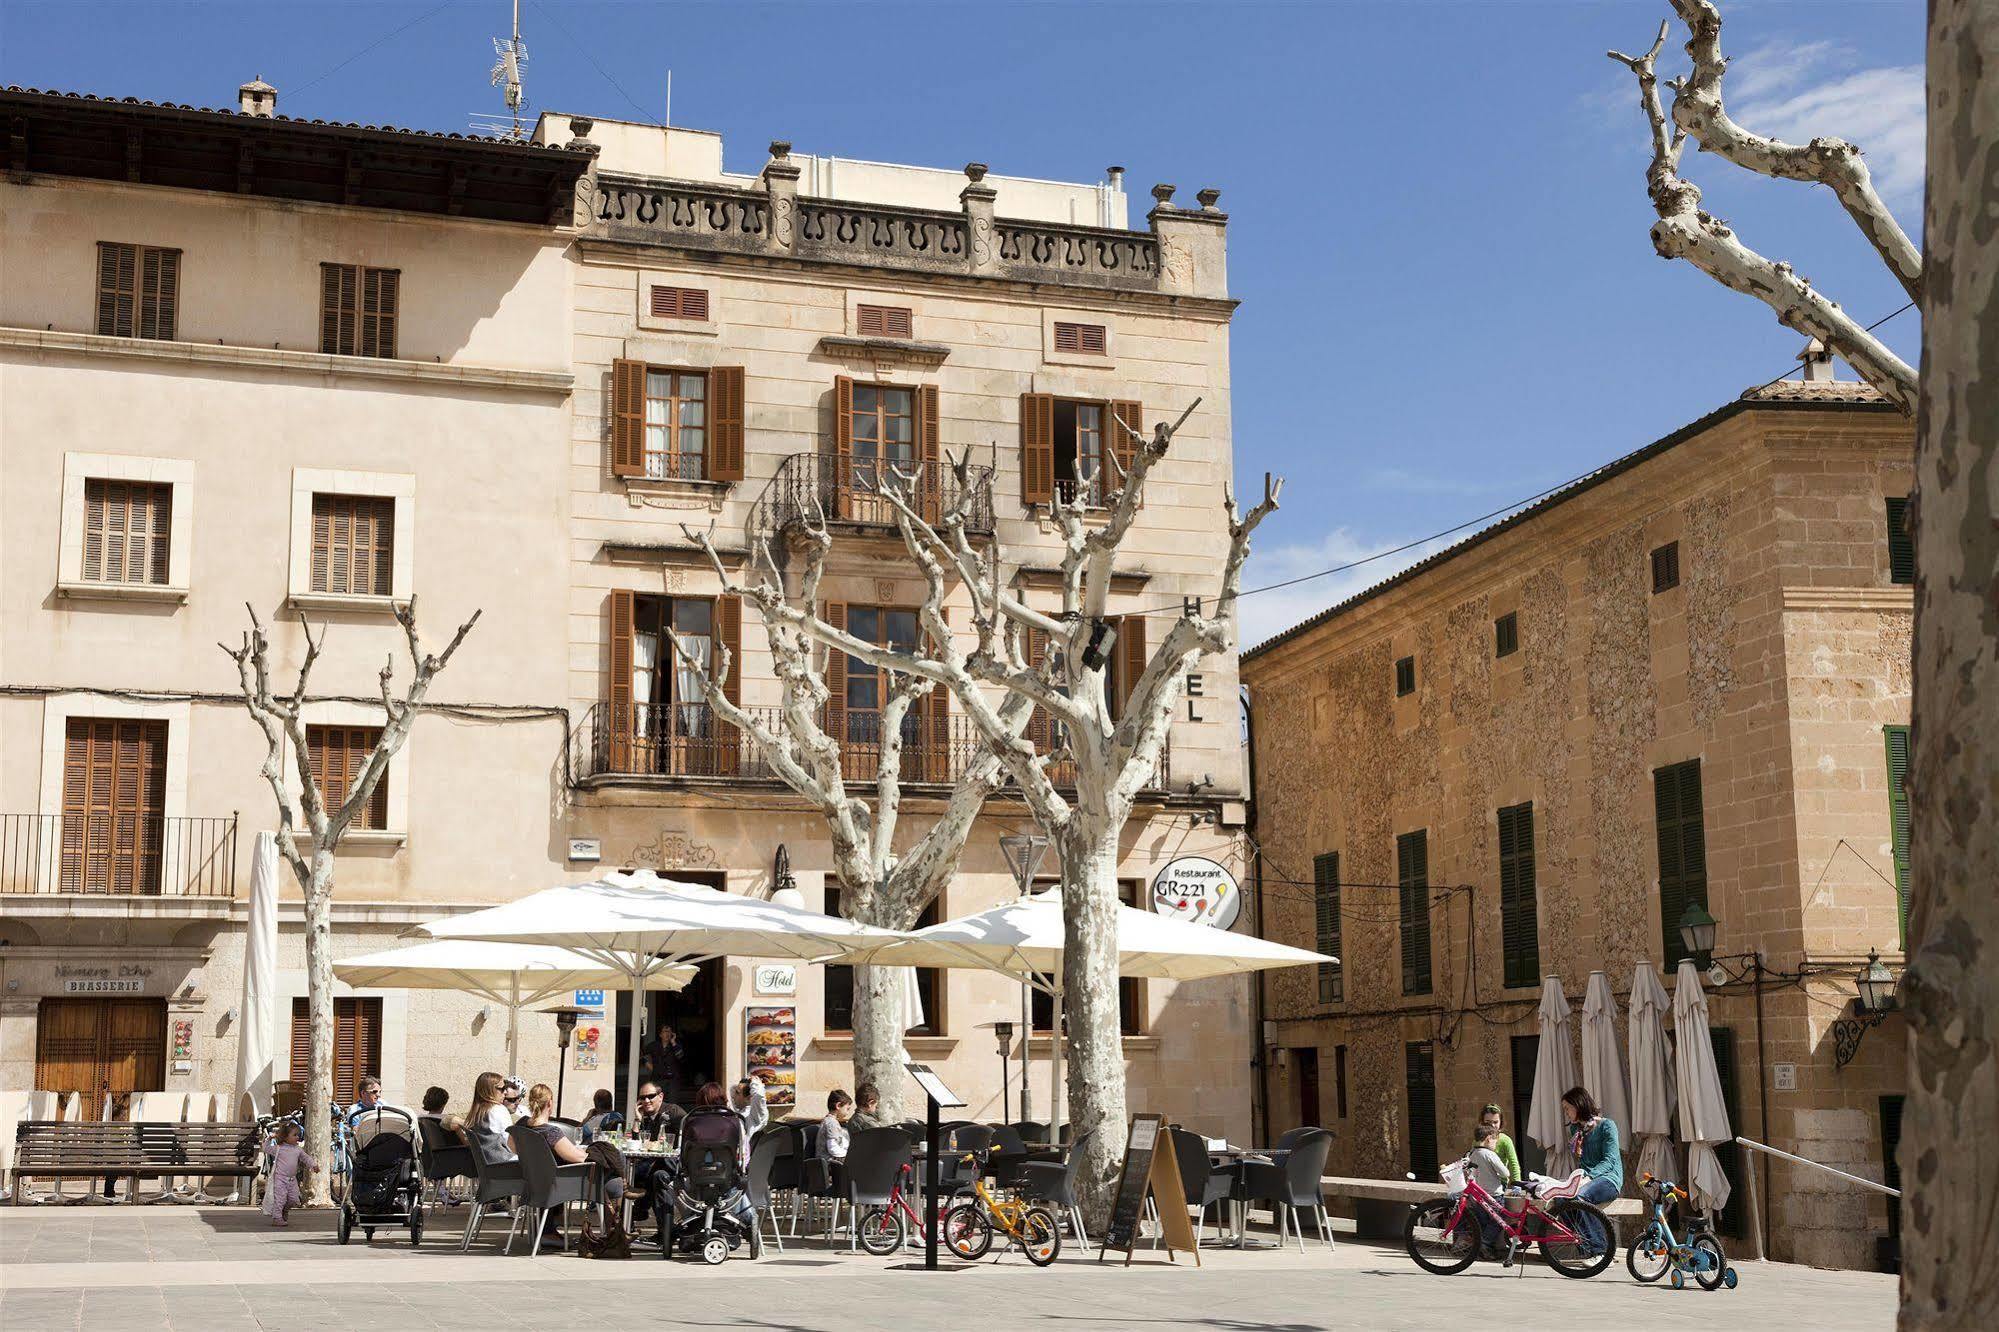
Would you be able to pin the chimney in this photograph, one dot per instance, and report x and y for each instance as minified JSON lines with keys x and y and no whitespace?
{"x":1818,"y":362}
{"x":257,"y":98}
{"x":1116,"y":175}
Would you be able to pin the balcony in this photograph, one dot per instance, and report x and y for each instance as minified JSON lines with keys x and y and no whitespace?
{"x":840,"y":489}
{"x":117,"y":856}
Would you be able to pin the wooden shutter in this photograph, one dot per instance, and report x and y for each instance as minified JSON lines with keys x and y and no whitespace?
{"x":357,"y":1044}
{"x":884,"y":321}
{"x":380,"y":303}
{"x":1080,"y":339}
{"x":843,"y":439}
{"x":1676,"y":795}
{"x":836,"y":676}
{"x":1901,"y":542}
{"x":159,"y":293}
{"x":622,"y":721}
{"x":1898,"y":819}
{"x":1519,"y":928}
{"x":1412,"y":857}
{"x":114,"y":805}
{"x":1132,"y":657}
{"x":337,"y":755}
{"x":117,"y":288}
{"x":338,"y":298}
{"x":628,"y":415}
{"x":679,"y":302}
{"x":934,"y":737}
{"x":1124,"y":449}
{"x":929,"y":442}
{"x":729,"y":636}
{"x":126,"y":527}
{"x":1326,"y":903}
{"x":725,"y":423}
{"x":1666,"y":567}
{"x":1040,"y":726}
{"x":1037,"y":448}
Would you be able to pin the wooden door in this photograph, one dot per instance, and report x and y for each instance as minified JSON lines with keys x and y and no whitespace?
{"x":101,"y":1047}
{"x":1306,"y":1060}
{"x":114,"y":803}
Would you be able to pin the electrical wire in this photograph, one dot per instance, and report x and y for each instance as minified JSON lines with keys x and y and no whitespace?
{"x":644,"y":118}
{"x":379,"y":41}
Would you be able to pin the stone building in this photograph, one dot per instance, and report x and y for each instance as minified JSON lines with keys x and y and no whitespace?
{"x":1682,"y":679}
{"x":326,"y":368}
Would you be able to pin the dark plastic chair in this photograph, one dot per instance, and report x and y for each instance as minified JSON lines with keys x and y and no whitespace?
{"x":1053,"y":1182}
{"x":445,"y":1154}
{"x":550,"y":1185}
{"x":1032,"y":1132}
{"x":1203,"y":1184}
{"x":496,"y":1181}
{"x":1006,"y":1155}
{"x":953,"y":1171}
{"x":770,"y":1152}
{"x":1293,"y":1183}
{"x":875,"y":1160}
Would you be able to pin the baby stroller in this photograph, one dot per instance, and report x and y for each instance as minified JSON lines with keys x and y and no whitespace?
{"x":384,"y":1187}
{"x":708,"y":1210}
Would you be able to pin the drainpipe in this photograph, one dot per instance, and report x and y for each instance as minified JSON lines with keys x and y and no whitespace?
{"x":1259,"y":1088}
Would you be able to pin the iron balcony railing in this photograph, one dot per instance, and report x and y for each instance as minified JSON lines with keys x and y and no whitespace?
{"x":618,"y":741}
{"x":838,"y":488}
{"x":119,"y":855}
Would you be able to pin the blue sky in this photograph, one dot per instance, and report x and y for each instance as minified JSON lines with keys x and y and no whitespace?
{"x":1438,"y":218}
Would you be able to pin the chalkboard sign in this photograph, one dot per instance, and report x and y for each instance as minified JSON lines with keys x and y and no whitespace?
{"x":1121,"y":1232}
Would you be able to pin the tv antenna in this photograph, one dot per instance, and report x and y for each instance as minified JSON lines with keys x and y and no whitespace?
{"x":509,"y":73}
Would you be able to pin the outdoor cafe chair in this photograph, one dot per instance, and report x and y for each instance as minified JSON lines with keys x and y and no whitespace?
{"x":1291,"y":1184}
{"x":875,"y":1159}
{"x":446,"y":1156}
{"x":1032,"y":1132}
{"x":1006,"y":1154}
{"x":1053,"y":1182}
{"x":770,"y":1154}
{"x":1203,"y":1184}
{"x":550,"y":1185}
{"x":494,"y":1182}
{"x":953,"y":1171}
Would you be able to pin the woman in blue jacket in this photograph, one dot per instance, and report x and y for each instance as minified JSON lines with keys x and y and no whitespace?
{"x":1593,"y":1142}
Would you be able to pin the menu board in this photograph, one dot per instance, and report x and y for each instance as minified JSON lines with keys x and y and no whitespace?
{"x":1129,"y":1201}
{"x":770,"y":1048}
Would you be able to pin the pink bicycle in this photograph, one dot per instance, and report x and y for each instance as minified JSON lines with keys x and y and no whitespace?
{"x":1443,"y":1234}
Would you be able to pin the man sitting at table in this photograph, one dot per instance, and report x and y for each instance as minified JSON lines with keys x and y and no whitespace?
{"x":656,"y":1121}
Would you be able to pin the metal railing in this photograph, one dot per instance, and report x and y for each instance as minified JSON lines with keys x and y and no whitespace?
{"x":810,"y":487}
{"x":118,"y":855}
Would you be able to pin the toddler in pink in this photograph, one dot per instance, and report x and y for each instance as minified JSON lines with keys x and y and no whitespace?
{"x":287,"y":1155}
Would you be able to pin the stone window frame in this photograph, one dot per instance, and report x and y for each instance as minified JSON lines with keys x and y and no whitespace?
{"x":397,"y":486}
{"x":78,"y":470}
{"x":59,"y":709}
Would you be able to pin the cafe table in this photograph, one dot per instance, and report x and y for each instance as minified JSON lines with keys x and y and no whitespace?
{"x":1231,"y":1159}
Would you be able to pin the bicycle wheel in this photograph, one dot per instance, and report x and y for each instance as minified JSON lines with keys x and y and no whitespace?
{"x":968,"y":1231}
{"x":1585,"y":1256}
{"x":882,"y":1230}
{"x":1040,"y":1237}
{"x":1648,"y":1257}
{"x":1710,"y":1277}
{"x":1435,"y":1247}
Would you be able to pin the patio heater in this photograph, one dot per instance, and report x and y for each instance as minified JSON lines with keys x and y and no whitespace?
{"x":565,"y":1029}
{"x":1023,"y":852}
{"x":1002,"y":1031}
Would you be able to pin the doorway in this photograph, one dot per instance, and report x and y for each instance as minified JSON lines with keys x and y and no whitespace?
{"x":694,"y":1013}
{"x":1305,"y":1059}
{"x":101,"y":1048}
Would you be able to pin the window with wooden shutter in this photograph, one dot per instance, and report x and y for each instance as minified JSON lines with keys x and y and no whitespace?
{"x":1405,"y":676}
{"x":1901,"y":542}
{"x":672,"y":425}
{"x":930,"y":451}
{"x":1326,"y":906}
{"x":138,"y":291}
{"x":1666,"y":567}
{"x":725,"y":430}
{"x":1124,"y":443}
{"x":126,"y":531}
{"x":338,"y":754}
{"x":359,"y":309}
{"x":353,"y":545}
{"x":1420,"y":1086}
{"x":678,"y":302}
{"x":1519,"y":925}
{"x":357,"y":1044}
{"x":884,"y":321}
{"x":622,"y":723}
{"x":114,"y":805}
{"x":728,"y":628}
{"x":1676,"y":796}
{"x":1412,"y":867}
{"x":1129,"y":663}
{"x":1037,"y":448}
{"x":1898,"y":819}
{"x":836,"y":678}
{"x":628,"y":414}
{"x":1080,"y":339}
{"x":866,"y":690}
{"x":1506,"y":635}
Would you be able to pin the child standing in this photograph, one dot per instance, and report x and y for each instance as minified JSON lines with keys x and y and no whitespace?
{"x":287,"y":1155}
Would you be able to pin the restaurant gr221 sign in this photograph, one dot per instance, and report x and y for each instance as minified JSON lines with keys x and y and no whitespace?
{"x":1197,"y":890}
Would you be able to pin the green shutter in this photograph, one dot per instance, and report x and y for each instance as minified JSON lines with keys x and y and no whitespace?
{"x":1901,"y":543}
{"x":1520,"y":935}
{"x":1412,"y":863}
{"x":1898,"y":820}
{"x":1326,"y":900}
{"x":1676,"y":795}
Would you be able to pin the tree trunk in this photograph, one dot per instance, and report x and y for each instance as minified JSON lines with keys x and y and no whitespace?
{"x":1095,"y":1049}
{"x":1949,"y":1156}
{"x":879,"y":1054}
{"x":319,"y":1017}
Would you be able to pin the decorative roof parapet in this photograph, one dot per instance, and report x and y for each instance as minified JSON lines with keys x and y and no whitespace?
{"x":1181,"y":254}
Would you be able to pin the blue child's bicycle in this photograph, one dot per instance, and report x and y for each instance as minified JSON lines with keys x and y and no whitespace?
{"x":1657,"y":1252}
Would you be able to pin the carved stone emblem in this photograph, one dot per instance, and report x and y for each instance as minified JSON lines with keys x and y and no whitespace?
{"x":675,"y":850}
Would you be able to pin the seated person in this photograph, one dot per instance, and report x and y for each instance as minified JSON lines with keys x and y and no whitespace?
{"x":748,"y":1099}
{"x":600,"y":1105}
{"x":868,"y":1108}
{"x":367,"y":1095}
{"x":1489,"y":1169}
{"x":487,"y":1122}
{"x":655,"y":1121}
{"x":541,"y":1104}
{"x":512,"y":1092}
{"x":833,"y":1133}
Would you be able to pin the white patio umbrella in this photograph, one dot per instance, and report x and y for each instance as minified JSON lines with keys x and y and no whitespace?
{"x":1554,"y":1073}
{"x":1703,"y":1112}
{"x":1653,"y":1087}
{"x":1603,"y":1063}
{"x":1023,"y":938}
{"x":640,"y":924}
{"x":516,"y":976}
{"x":256,"y":1036}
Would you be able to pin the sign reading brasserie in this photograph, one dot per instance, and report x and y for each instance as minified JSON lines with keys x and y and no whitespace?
{"x":123,"y":979}
{"x":1197,"y":890}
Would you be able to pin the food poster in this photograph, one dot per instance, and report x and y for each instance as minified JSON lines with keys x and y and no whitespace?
{"x":770,"y":1045}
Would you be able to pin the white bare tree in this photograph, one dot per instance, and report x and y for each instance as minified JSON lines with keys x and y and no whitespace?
{"x":1949,"y":1156}
{"x":879,"y":885}
{"x":1081,"y":789}
{"x":280,"y":715}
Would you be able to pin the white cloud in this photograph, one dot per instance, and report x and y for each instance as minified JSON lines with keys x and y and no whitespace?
{"x":1269,"y":613}
{"x":1775,"y":67}
{"x":1879,"y":109}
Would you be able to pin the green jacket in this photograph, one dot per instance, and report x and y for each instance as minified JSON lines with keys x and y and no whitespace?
{"x":1510,"y":1157}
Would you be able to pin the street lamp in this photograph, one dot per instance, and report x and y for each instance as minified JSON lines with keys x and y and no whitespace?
{"x":565,"y":1027}
{"x":1697,"y":934}
{"x":1873,"y":1002}
{"x":1023,"y":852}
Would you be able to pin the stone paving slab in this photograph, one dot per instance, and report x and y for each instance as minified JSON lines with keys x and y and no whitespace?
{"x":225,"y":1270}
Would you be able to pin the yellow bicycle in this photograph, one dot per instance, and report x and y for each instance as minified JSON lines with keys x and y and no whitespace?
{"x":969,"y":1226}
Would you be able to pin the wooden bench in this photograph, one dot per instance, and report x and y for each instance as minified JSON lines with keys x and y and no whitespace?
{"x":48,"y":1149}
{"x":1410,"y":1192}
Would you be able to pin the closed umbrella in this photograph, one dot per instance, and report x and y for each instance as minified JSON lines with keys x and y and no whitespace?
{"x":641,"y":925}
{"x":1653,"y":1087}
{"x":1603,"y":1063}
{"x":256,"y":1038}
{"x":1703,"y":1112}
{"x":516,"y":976}
{"x":1554,"y":1074}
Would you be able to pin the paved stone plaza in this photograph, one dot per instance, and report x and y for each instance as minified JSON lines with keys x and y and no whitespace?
{"x":227,"y":1270}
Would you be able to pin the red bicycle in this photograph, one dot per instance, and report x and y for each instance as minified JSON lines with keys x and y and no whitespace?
{"x":884,"y":1230}
{"x":1443,"y":1234}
